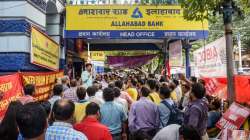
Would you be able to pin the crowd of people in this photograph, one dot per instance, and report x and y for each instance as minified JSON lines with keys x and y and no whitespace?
{"x":114,"y":106}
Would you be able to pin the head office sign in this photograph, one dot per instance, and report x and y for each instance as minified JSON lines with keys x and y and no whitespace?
{"x":131,"y":22}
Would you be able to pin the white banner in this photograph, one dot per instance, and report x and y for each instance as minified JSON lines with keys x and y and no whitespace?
{"x":210,"y":61}
{"x":175,"y":54}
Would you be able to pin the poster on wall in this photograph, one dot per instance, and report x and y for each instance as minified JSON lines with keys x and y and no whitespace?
{"x":11,"y":88}
{"x":175,"y":54}
{"x":210,"y":60}
{"x":45,"y":52}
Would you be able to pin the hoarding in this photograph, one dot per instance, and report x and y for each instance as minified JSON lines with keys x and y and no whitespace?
{"x":131,"y":22}
{"x":44,"y":51}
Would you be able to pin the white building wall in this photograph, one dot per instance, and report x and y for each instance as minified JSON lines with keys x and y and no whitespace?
{"x":22,"y":9}
{"x":15,"y":43}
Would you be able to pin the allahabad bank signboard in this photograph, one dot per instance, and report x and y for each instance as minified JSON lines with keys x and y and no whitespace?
{"x":131,"y":22}
{"x":44,"y":50}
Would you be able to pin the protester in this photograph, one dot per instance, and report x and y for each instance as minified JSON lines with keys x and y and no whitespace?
{"x":47,"y":107}
{"x":91,"y":126}
{"x":187,"y":132}
{"x":153,"y":96}
{"x":196,"y":112}
{"x":57,"y":94}
{"x":113,"y":115}
{"x":70,"y":93}
{"x":193,"y":80}
{"x":177,"y":90}
{"x":65,"y":83}
{"x":99,"y":92}
{"x":140,"y":84}
{"x":215,"y":114}
{"x":173,"y":95}
{"x":124,"y":94}
{"x":91,"y":91}
{"x":80,"y":106}
{"x":170,"y":132}
{"x":62,"y":128}
{"x":32,"y":122}
{"x":87,"y":76}
{"x":131,"y":89}
{"x":143,"y":117}
{"x":165,"y":107}
{"x":29,"y":91}
{"x":120,"y":100}
{"x":185,"y":96}
{"x":8,"y":126}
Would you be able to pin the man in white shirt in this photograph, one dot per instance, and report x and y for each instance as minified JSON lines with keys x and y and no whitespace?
{"x":120,"y":100}
{"x":91,"y":91}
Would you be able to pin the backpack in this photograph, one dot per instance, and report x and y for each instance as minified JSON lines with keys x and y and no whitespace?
{"x":176,"y":116}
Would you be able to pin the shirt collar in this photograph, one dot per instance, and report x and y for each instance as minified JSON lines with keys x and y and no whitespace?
{"x":62,"y":124}
{"x":143,"y":98}
{"x":90,"y":119}
{"x":196,"y":101}
{"x":109,"y":102}
{"x":82,"y":101}
{"x":169,"y":100}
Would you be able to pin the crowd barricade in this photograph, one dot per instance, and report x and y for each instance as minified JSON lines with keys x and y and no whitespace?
{"x":12,"y":86}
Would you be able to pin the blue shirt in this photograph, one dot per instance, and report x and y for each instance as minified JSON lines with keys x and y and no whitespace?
{"x":63,"y":131}
{"x":113,"y":115}
{"x":164,"y":112}
{"x":87,"y":79}
{"x":213,"y":117}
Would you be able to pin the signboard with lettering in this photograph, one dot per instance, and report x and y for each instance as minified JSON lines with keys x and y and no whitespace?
{"x":44,"y":50}
{"x":97,"y":55}
{"x":131,"y":22}
{"x":210,"y":60}
{"x":234,"y":117}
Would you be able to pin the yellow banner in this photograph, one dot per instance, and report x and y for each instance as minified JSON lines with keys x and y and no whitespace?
{"x":44,"y":51}
{"x":97,"y":55}
{"x":120,"y":17}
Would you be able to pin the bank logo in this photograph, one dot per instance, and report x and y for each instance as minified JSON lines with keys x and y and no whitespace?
{"x":137,"y":13}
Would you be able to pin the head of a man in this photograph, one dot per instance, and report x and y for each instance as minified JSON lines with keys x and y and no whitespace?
{"x":63,"y":110}
{"x":165,"y":92}
{"x":198,"y":91}
{"x":73,"y":83}
{"x":81,"y":93}
{"x":144,"y":91}
{"x":108,"y":94}
{"x":29,"y":89}
{"x":47,"y":107}
{"x":119,"y":84}
{"x":65,"y":80}
{"x":31,"y":120}
{"x":57,"y":90}
{"x":117,"y":92}
{"x":93,"y":109}
{"x":188,"y":133}
{"x":89,"y":67}
{"x":185,"y":88}
{"x":151,"y":84}
{"x":91,"y":91}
